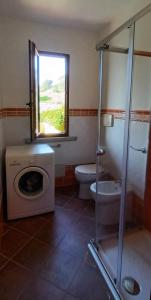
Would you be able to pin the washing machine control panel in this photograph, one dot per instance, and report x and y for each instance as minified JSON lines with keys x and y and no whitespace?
{"x":28,"y":162}
{"x":14,"y":163}
{"x":32,"y":161}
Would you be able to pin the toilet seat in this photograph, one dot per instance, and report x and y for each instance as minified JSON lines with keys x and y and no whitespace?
{"x":87,"y":173}
{"x":86,"y":169}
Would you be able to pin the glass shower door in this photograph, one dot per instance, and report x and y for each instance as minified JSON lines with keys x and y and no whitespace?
{"x":136,"y":259}
{"x":111,"y":124}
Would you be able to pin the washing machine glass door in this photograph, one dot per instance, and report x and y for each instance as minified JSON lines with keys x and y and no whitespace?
{"x":31,"y":182}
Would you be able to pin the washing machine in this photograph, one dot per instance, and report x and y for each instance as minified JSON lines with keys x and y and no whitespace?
{"x":29,"y":180}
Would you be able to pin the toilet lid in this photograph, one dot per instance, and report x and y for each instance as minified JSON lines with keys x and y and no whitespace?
{"x":88,"y":169}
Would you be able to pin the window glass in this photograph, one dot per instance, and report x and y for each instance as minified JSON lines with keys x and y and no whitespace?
{"x":52,"y":94}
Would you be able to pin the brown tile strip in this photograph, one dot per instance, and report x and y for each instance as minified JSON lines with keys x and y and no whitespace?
{"x":141,"y":115}
{"x":14,"y":112}
{"x":136,"y":115}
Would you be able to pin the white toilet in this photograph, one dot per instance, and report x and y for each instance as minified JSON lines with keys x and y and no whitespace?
{"x":85,"y":175}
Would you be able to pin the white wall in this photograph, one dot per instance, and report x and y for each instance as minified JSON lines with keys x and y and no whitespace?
{"x":83,"y":82}
{"x":79,"y":44}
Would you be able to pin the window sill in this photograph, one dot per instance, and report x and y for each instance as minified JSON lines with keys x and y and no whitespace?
{"x":53,"y":139}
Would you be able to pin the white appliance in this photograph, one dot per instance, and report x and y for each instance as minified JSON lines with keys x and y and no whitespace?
{"x":30,"y":180}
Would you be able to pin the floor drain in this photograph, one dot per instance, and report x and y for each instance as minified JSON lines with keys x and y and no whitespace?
{"x":131,"y":286}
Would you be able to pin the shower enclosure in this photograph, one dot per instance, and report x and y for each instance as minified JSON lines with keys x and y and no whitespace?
{"x":122,"y":245}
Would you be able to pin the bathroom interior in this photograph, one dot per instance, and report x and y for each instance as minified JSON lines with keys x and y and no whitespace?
{"x":102,"y":169}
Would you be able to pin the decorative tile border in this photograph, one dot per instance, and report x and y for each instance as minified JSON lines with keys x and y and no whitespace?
{"x":136,"y":115}
{"x":141,"y":116}
{"x":14,"y":112}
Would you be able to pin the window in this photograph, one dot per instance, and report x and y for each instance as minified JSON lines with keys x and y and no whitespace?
{"x":49,"y":93}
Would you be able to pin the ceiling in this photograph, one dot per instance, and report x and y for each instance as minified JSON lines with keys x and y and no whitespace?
{"x":88,"y":14}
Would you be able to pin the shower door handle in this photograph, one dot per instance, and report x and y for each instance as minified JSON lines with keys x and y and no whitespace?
{"x":143,"y":149}
{"x":100,"y":152}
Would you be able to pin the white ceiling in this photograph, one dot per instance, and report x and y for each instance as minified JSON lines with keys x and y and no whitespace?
{"x":90,"y":14}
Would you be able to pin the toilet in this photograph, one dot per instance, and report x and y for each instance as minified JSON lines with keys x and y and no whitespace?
{"x":85,"y":175}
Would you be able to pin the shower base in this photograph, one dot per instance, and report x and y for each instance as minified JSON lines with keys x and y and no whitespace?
{"x":136,"y":260}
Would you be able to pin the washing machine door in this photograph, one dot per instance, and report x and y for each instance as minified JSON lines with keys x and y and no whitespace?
{"x":31,"y":183}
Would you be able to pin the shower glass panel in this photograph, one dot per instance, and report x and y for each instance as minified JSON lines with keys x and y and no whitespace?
{"x":111,"y":137}
{"x":136,"y":258}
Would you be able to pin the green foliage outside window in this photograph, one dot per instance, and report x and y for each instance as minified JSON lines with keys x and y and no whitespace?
{"x":54,"y":118}
{"x":45,"y":99}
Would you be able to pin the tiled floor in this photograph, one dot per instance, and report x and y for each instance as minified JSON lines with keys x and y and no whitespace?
{"x":46,"y":258}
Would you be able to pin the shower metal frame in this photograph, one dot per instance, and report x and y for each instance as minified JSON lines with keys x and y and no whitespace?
{"x":102,"y":46}
{"x":127,"y":24}
{"x":125,"y":150}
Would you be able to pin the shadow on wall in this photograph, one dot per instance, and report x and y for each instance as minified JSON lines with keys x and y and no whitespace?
{"x":110,"y":166}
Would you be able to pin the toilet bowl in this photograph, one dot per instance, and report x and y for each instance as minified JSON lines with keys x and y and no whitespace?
{"x":85,"y":175}
{"x":108,"y":201}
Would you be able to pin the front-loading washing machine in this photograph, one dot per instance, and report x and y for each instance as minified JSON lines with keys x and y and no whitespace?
{"x":29,"y":180}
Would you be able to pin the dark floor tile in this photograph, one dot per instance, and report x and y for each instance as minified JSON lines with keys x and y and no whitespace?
{"x":34,"y":255}
{"x":57,"y":266}
{"x":106,"y":231}
{"x":90,"y":209}
{"x":76,"y":244}
{"x":11,"y":241}
{"x":88,"y":285}
{"x":71,"y":191}
{"x":61,"y":200}
{"x":13,"y":280}
{"x":3,"y":228}
{"x":84,"y":225}
{"x":28,"y":225}
{"x":52,"y":233}
{"x":40,"y":289}
{"x":3,"y":260}
{"x":63,"y":217}
{"x":61,"y":268}
{"x":57,"y":257}
{"x":88,"y":260}
{"x":76,"y":204}
{"x":67,"y":216}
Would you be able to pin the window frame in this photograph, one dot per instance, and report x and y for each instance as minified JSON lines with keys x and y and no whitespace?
{"x":66,"y":123}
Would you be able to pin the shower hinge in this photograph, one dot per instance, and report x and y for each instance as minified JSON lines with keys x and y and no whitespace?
{"x":104,"y":47}
{"x":130,"y":25}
